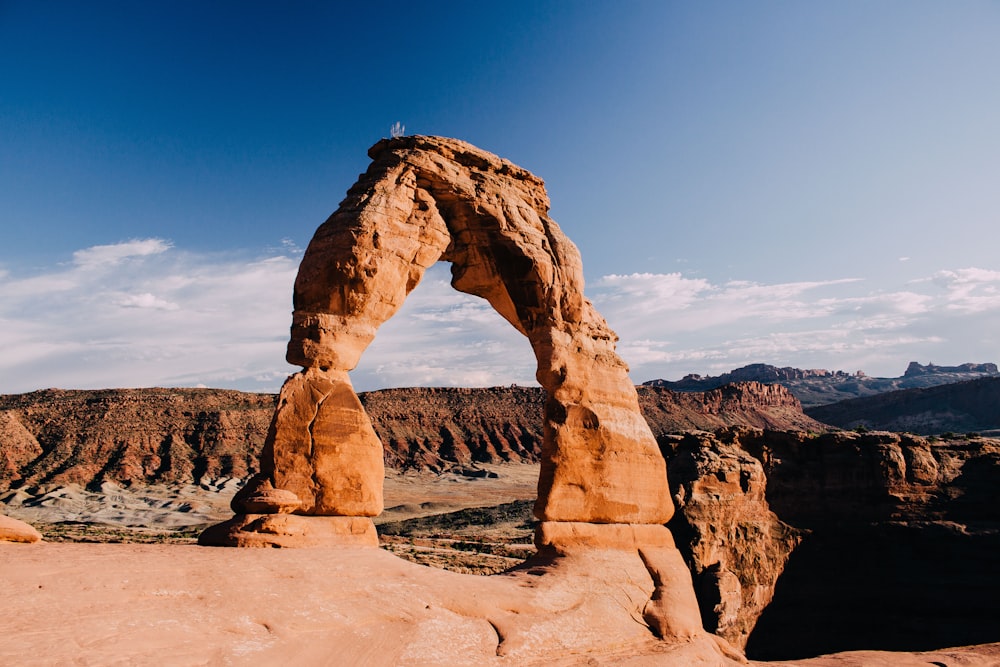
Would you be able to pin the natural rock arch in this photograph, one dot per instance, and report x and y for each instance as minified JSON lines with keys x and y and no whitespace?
{"x":425,"y":199}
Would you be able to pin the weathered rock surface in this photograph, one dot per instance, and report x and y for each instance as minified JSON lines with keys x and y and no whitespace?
{"x":157,"y":435}
{"x":182,"y":605}
{"x":322,"y":448}
{"x":900,"y":553}
{"x":960,"y":407}
{"x":425,"y":199}
{"x":734,"y":544}
{"x":134,"y":436}
{"x":13,"y":530}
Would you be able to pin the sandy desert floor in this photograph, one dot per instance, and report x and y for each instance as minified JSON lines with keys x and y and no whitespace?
{"x":165,"y":508}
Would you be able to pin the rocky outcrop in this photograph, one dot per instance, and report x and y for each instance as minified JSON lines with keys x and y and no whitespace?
{"x":900,"y":552}
{"x":859,"y":541}
{"x":735,"y":546}
{"x":961,"y":407}
{"x":13,"y":530}
{"x":821,"y":387}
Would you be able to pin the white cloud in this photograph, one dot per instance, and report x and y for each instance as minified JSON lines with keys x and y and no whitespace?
{"x":146,"y":300}
{"x":144,"y":313}
{"x":105,"y":255}
{"x":835,"y":324}
{"x":970,"y":290}
{"x":151,"y":315}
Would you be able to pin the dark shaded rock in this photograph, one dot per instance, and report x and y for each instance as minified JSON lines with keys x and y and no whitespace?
{"x":962,"y":407}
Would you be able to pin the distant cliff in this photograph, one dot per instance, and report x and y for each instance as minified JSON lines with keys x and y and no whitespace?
{"x":820,"y":387}
{"x":130,"y":435}
{"x":181,"y":435}
{"x":961,"y":407}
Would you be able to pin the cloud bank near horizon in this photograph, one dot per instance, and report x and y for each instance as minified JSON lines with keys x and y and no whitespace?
{"x":144,"y":313}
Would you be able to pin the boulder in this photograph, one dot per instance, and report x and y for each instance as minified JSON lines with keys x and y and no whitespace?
{"x":12,"y":530}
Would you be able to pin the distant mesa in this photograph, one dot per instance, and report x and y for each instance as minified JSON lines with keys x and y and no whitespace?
{"x":819,"y":386}
{"x":915,"y":369}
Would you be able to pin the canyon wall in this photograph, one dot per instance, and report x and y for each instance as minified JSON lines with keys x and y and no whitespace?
{"x":181,"y":435}
{"x":899,"y":536}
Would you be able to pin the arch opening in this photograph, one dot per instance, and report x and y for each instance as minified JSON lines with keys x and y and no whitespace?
{"x":423,"y":200}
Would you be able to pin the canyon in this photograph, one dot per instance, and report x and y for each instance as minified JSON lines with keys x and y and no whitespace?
{"x":772,"y":506}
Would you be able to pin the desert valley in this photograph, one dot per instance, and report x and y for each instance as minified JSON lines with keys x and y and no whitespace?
{"x":802,"y":539}
{"x":505,"y":525}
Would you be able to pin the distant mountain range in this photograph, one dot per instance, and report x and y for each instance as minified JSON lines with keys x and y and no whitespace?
{"x":816,"y":387}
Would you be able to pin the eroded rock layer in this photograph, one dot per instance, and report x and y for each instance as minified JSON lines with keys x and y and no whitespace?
{"x":736,"y":547}
{"x":900,"y":552}
{"x":157,"y":436}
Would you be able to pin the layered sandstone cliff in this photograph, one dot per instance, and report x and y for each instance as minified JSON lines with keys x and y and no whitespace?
{"x":141,"y":436}
{"x":899,"y":536}
{"x":130,"y":435}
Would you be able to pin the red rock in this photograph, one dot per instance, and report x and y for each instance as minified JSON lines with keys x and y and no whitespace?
{"x":12,"y":530}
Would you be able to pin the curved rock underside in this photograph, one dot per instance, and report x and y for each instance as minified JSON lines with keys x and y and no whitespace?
{"x":429,"y":199}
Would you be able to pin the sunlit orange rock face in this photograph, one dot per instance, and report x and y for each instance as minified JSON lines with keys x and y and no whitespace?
{"x":13,"y":530}
{"x":423,"y":200}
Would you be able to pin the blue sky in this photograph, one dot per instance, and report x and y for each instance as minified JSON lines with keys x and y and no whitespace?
{"x":805,"y":184}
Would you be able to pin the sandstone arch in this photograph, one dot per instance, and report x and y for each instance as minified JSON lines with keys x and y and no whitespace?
{"x":425,"y":199}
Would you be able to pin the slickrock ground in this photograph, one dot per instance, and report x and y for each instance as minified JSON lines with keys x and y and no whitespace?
{"x":179,"y":605}
{"x":185,"y":605}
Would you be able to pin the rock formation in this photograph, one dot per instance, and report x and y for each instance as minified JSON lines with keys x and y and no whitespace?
{"x":603,"y":484}
{"x":422,"y":200}
{"x":900,"y":552}
{"x":735,"y":546}
{"x":821,"y":387}
{"x":959,"y":407}
{"x":187,"y":436}
{"x":13,"y":530}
